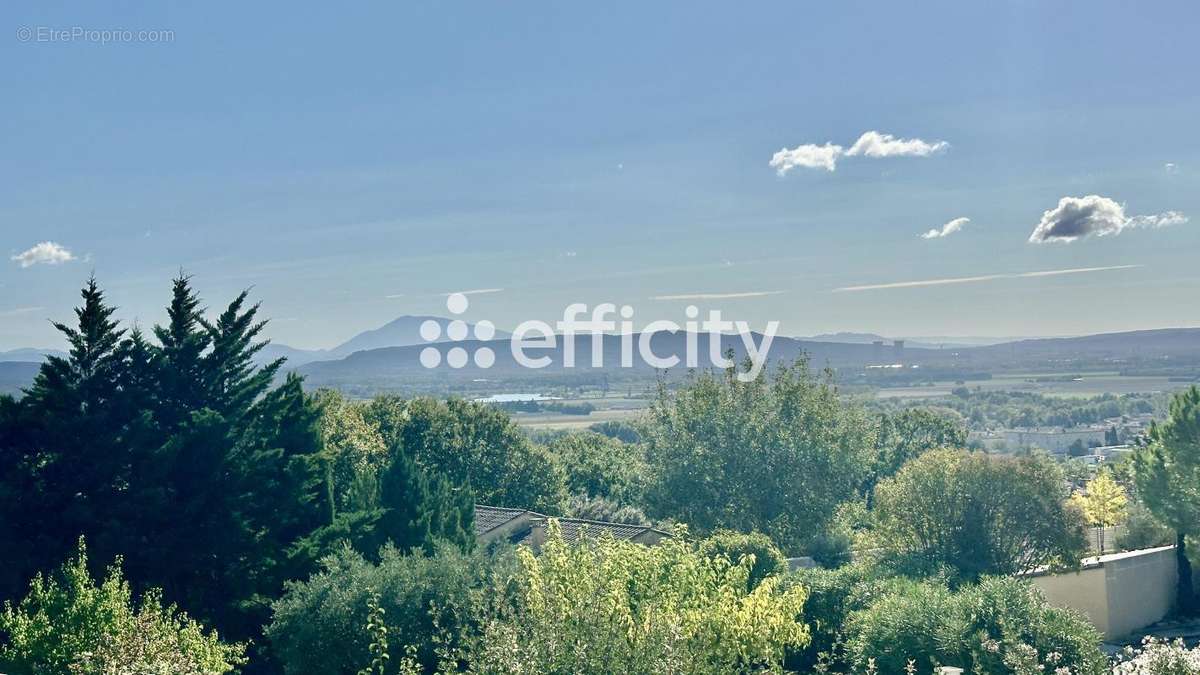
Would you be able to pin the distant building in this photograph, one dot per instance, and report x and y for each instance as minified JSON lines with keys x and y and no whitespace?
{"x":1053,"y":440}
{"x":898,"y":351}
{"x":877,"y":351}
{"x":520,"y":526}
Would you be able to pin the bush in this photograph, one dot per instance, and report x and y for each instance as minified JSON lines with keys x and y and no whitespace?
{"x":1158,"y":657}
{"x":976,"y":514}
{"x":1142,"y":530}
{"x":613,"y":606}
{"x":67,"y":624}
{"x":318,"y":623}
{"x":1001,"y":625}
{"x":833,"y":594}
{"x":599,"y":466}
{"x":735,"y":546}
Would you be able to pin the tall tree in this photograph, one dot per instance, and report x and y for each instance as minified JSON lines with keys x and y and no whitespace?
{"x":1102,"y":503}
{"x":976,"y":514}
{"x":182,"y":378}
{"x":1167,"y":474}
{"x":908,"y":434}
{"x":774,"y":455}
{"x":420,"y":509}
{"x":77,"y":462}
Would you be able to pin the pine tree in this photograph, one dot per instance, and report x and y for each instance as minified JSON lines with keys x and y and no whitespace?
{"x":182,"y":381}
{"x":235,"y":384}
{"x":78,"y":465}
{"x":419,"y":509}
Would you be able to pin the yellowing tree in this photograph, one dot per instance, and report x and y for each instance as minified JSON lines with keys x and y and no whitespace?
{"x":1103,"y":505}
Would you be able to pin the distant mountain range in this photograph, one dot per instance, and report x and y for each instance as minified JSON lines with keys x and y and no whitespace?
{"x":401,"y":332}
{"x":392,"y":353}
{"x":920,"y":342}
{"x":29,"y":354}
{"x":1176,"y":349}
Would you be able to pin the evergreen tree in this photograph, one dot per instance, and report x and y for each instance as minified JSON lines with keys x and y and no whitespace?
{"x":182,"y":377}
{"x":76,"y":462}
{"x":1167,"y":473}
{"x":419,"y":509}
{"x":234,"y":381}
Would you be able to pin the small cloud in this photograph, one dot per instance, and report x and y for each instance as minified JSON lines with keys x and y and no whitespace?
{"x":571,"y":254}
{"x":1171,"y":167}
{"x":808,"y":156}
{"x":875,"y":144}
{"x":394,"y":296}
{"x":715,"y":296}
{"x":947,"y":229}
{"x":1081,"y":217}
{"x":45,"y":253}
{"x":869,"y":144}
{"x":621,"y":167}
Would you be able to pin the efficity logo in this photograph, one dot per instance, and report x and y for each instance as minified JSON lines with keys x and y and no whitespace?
{"x":577,"y":320}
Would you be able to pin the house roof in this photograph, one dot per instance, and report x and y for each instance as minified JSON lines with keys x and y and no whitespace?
{"x":490,"y":519}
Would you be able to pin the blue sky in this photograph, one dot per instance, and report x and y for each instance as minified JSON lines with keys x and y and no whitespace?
{"x":355,"y":162}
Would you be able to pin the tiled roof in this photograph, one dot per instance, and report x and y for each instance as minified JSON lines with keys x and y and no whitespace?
{"x":574,"y":529}
{"x":488,"y":518}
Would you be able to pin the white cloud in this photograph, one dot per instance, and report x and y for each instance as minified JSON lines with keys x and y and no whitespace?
{"x":986,"y":277}
{"x":875,"y":144}
{"x":1171,"y":167}
{"x":715,"y":296}
{"x":808,"y":156}
{"x":45,"y":253}
{"x":1163,"y":219}
{"x":1080,"y":217}
{"x":947,"y":229}
{"x":870,"y":144}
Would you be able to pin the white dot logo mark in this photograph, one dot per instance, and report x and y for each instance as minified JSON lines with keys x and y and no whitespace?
{"x":456,"y":357}
{"x":457,"y":303}
{"x":457,"y":331}
{"x":430,"y":357}
{"x":431,"y":330}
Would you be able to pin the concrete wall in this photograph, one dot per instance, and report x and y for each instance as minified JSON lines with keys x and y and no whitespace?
{"x":1119,"y":593}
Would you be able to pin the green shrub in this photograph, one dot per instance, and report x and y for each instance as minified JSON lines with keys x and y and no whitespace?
{"x":67,"y":624}
{"x":608,"y":606}
{"x":734,"y":546}
{"x":318,"y":624}
{"x":1001,"y":625}
{"x":833,"y":594}
{"x":1142,"y":530}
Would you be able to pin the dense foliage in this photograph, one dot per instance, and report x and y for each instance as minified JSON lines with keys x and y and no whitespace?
{"x":426,"y":602}
{"x":972,"y":514}
{"x":639,"y":610}
{"x":182,"y":456}
{"x":1168,"y":481}
{"x":774,"y":455}
{"x":756,"y":548}
{"x":991,"y":409}
{"x":998,"y":626}
{"x":68,"y":624}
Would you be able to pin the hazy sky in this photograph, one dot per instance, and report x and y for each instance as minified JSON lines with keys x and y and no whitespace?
{"x":356,"y":161}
